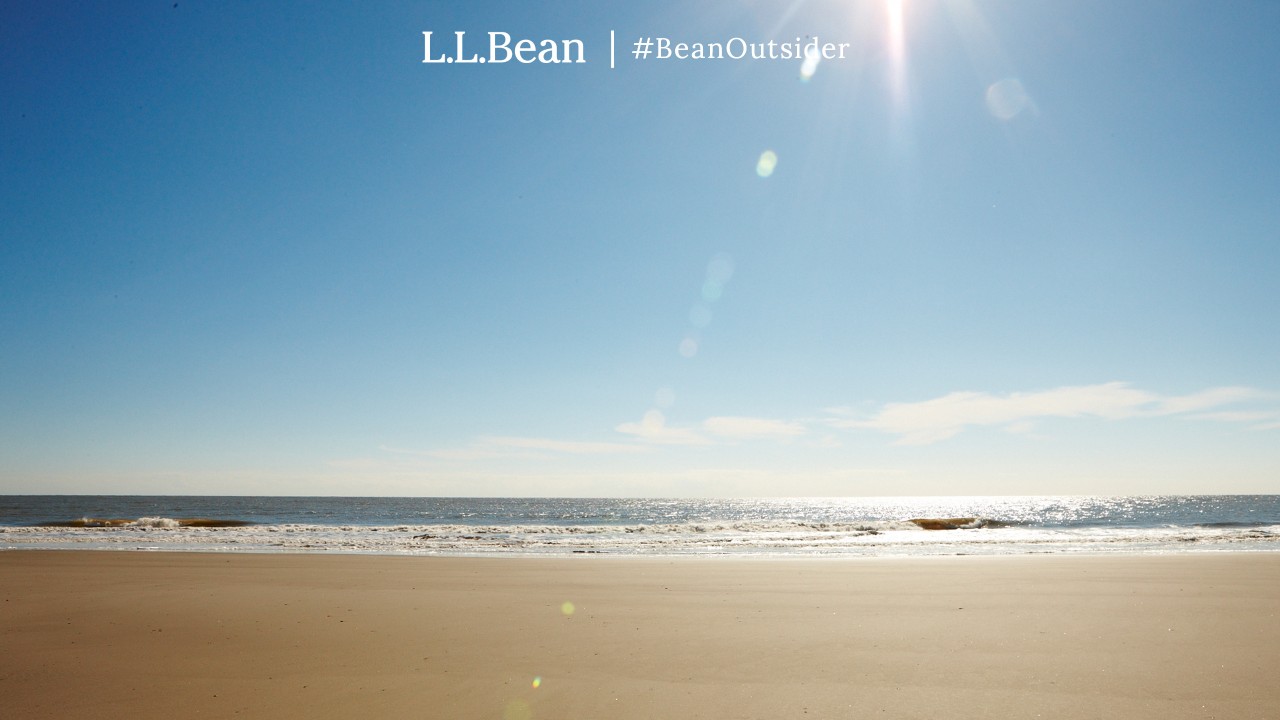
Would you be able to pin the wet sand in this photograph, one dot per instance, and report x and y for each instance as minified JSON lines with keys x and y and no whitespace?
{"x":142,"y":635}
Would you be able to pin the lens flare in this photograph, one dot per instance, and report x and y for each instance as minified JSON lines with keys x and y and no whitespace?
{"x":767,"y":162}
{"x":1007,"y":99}
{"x":664,"y":398}
{"x":537,"y":682}
{"x":810,"y":65}
{"x":688,"y":347}
{"x":567,"y":608}
{"x":720,"y":268}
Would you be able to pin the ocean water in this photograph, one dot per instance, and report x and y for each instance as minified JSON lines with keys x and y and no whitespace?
{"x":903,"y":526}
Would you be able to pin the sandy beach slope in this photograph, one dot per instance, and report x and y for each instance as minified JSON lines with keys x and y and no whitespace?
{"x":143,"y":635}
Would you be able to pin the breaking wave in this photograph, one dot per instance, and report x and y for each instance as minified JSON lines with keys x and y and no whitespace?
{"x":746,"y":537}
{"x":145,"y":522}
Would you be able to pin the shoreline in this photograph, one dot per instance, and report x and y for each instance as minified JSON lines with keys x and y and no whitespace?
{"x":601,"y":556}
{"x":306,"y":635}
{"x":478,"y":527}
{"x":745,"y":556}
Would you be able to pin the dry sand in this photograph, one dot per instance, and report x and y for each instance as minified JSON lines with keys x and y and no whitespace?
{"x":141,"y":635}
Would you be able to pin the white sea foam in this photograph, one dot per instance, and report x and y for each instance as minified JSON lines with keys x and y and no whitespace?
{"x":773,"y":537}
{"x":155,"y":522}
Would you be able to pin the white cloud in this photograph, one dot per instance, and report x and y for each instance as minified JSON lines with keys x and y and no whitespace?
{"x":653,"y":428}
{"x":750,"y":427}
{"x":471,"y":452}
{"x":914,"y":423}
{"x":1235,"y":416}
{"x":573,"y":447}
{"x":1023,"y":427}
{"x":1213,"y":397}
{"x":930,"y":421}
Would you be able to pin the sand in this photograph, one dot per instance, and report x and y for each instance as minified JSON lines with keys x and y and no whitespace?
{"x":142,"y":635}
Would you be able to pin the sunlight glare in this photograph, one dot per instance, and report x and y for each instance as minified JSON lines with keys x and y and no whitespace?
{"x":897,"y":35}
{"x":897,"y":39}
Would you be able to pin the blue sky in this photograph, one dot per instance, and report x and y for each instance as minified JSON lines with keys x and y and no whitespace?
{"x":1006,"y":248}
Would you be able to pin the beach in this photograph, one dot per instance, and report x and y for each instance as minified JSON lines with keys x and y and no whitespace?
{"x":140,"y":634}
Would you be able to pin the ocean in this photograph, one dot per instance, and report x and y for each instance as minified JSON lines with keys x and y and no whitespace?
{"x":842,"y":527}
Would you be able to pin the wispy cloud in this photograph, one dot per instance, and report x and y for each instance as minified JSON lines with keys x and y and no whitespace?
{"x":653,"y":428}
{"x":572,"y":447}
{"x":469,"y":452}
{"x":1238,"y":416}
{"x":1256,"y":419}
{"x":930,"y":421}
{"x":751,"y":427}
{"x":1205,"y":399}
{"x":914,"y":423}
{"x":495,"y":446}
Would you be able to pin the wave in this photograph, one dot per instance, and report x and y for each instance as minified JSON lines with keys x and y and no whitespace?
{"x":758,"y":537}
{"x":692,"y":528}
{"x":1237,"y":524}
{"x":145,"y":522}
{"x":431,"y":531}
{"x":964,"y":523}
